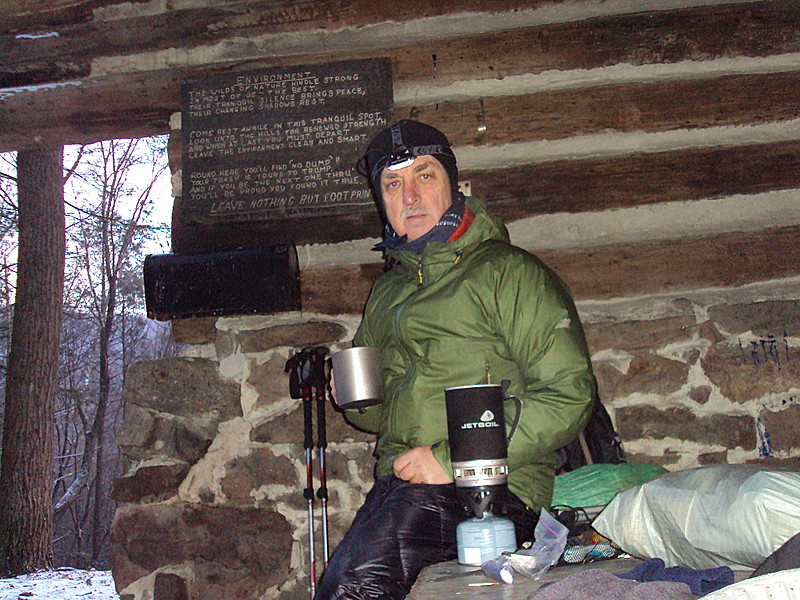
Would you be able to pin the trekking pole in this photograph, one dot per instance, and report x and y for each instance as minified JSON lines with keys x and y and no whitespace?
{"x":320,"y":382}
{"x":308,"y":493}
{"x":299,"y":378}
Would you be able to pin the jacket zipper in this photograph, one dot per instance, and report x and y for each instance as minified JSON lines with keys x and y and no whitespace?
{"x":420,"y":280}
{"x":398,"y":332}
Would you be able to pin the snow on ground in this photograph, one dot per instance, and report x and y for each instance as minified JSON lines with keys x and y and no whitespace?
{"x":60,"y":584}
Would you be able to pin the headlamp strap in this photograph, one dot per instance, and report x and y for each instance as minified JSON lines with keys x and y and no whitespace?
{"x":432,"y":149}
{"x":397,"y":136}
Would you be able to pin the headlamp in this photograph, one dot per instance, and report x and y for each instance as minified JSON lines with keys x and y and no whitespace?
{"x":398,"y":146}
{"x":401,"y":158}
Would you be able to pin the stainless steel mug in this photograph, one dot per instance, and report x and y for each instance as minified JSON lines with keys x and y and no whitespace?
{"x":357,"y":372}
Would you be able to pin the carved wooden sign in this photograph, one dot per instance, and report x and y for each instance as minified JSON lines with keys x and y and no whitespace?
{"x":282,"y":142}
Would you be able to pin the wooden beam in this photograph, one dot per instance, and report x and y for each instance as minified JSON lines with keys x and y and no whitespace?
{"x":651,"y":107}
{"x":728,"y":260}
{"x":607,"y":272}
{"x":278,"y":15}
{"x":704,"y":102}
{"x":636,"y":179}
{"x":135,"y":103}
{"x":37,"y":58}
{"x":32,"y":15}
{"x":757,"y":29}
{"x":246,"y":28}
{"x":321,"y":289}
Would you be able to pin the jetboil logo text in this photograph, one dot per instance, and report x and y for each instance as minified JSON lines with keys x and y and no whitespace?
{"x":487,"y":420}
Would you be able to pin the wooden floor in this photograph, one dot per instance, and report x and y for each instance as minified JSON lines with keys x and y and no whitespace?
{"x":430,"y":586}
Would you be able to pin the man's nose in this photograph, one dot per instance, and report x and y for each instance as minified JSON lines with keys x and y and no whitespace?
{"x":410,"y":192}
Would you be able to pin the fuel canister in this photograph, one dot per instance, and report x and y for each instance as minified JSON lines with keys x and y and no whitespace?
{"x":482,"y":539}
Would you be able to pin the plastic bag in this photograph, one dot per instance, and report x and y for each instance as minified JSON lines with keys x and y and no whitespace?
{"x":596,"y":485}
{"x":716,"y":516}
{"x":550,"y":539}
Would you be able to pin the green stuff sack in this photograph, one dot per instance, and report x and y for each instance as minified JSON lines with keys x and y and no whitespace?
{"x":596,"y":485}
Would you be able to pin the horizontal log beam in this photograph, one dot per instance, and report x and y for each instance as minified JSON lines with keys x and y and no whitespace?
{"x":35,"y":59}
{"x":119,"y":31}
{"x":715,"y":101}
{"x":32,"y":15}
{"x":636,"y":179}
{"x":758,"y":29}
{"x":728,"y":260}
{"x":135,"y":104}
{"x":88,"y":111}
{"x":650,"y":107}
{"x":321,"y":290}
{"x":621,"y":270}
{"x":237,"y":15}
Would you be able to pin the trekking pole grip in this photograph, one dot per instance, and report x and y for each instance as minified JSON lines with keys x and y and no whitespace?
{"x":308,"y":427}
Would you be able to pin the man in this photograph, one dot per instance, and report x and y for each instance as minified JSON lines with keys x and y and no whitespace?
{"x":461,"y":306}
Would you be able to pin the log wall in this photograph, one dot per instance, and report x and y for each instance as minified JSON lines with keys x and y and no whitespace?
{"x":646,"y":149}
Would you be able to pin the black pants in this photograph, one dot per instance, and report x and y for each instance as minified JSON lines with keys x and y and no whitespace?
{"x":401,"y":529}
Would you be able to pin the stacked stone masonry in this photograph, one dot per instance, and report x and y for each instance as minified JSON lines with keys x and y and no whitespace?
{"x":212,"y":505}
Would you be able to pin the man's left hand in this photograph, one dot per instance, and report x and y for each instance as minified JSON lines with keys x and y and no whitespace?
{"x":419,"y":465}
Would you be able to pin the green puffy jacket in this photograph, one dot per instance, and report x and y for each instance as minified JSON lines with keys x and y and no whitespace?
{"x":477,"y":310}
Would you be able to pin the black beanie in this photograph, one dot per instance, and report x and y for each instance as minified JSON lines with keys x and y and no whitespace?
{"x":413,"y":139}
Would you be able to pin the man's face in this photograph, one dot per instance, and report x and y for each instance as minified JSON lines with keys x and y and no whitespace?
{"x":415,"y":197}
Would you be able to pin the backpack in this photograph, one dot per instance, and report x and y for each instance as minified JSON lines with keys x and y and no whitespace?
{"x":597,"y":443}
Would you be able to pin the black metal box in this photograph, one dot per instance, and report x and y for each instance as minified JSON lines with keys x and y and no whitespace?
{"x":239,"y":282}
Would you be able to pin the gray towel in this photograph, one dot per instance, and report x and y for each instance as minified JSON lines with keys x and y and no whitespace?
{"x":596,"y":584}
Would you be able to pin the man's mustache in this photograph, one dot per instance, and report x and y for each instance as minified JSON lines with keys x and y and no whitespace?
{"x":413,"y":211}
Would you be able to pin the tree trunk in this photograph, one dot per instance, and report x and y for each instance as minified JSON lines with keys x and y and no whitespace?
{"x":100,"y":494}
{"x":26,"y":477}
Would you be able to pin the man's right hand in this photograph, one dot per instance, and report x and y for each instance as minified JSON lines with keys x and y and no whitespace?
{"x":419,"y":465}
{"x":333,"y":385}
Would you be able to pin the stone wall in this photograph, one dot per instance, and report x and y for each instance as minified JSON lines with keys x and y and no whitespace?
{"x":212,"y":506}
{"x":709,"y":384}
